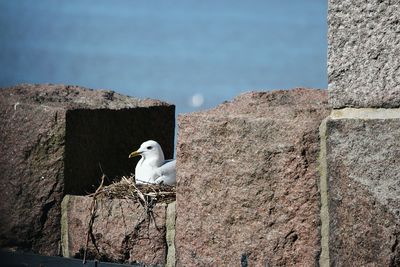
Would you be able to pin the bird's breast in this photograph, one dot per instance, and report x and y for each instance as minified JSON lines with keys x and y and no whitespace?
{"x":145,"y":173}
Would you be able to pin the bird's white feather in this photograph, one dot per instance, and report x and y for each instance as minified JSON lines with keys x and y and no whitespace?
{"x":152,"y":167}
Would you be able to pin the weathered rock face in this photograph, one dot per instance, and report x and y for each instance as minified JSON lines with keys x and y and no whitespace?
{"x":53,"y":140}
{"x":247,"y":192}
{"x":31,"y":174}
{"x":363,"y":167}
{"x":122,"y":231}
{"x":363,"y":49}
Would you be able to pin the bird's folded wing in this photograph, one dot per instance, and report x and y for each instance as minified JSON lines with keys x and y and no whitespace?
{"x":167,"y":168}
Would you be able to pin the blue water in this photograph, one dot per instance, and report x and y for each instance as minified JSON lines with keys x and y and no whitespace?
{"x":169,"y":50}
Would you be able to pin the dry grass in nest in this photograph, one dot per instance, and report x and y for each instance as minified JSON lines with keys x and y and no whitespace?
{"x":127,"y":189}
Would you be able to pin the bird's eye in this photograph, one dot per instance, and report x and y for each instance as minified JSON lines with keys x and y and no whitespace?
{"x":149,"y":147}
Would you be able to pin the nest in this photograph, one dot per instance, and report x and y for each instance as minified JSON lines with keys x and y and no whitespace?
{"x":147,"y":195}
{"x":126,"y":188}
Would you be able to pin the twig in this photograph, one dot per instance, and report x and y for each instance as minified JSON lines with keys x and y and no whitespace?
{"x":92,"y":217}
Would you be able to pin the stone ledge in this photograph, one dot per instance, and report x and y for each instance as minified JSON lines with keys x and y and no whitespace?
{"x":170,"y":235}
{"x":323,"y":189}
{"x":365,"y":113}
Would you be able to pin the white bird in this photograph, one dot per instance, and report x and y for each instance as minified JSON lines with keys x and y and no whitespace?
{"x":152,"y":168}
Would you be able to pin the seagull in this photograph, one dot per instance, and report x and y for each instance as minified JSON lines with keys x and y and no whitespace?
{"x":152,"y":168}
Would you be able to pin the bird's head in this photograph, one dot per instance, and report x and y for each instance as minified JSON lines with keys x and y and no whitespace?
{"x":149,"y":150}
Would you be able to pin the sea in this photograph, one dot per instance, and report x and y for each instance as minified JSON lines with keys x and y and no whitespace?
{"x":195,"y":54}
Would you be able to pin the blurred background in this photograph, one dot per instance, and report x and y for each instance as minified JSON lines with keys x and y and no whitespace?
{"x":191,"y":53}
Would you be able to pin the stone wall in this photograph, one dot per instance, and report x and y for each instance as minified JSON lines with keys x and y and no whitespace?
{"x":247,"y":192}
{"x":361,"y":138}
{"x":250,"y":190}
{"x":57,"y":139}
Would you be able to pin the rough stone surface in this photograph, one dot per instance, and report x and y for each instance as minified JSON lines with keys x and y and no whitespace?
{"x":32,"y":139}
{"x":363,"y":49}
{"x":170,"y":236}
{"x":363,"y":168}
{"x":122,"y":231}
{"x":247,"y":181}
{"x":52,"y":140}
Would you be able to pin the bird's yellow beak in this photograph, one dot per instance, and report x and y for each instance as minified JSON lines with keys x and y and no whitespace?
{"x":134,"y":154}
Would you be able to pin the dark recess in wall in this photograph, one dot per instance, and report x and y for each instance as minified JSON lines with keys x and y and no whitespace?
{"x":104,"y":137}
